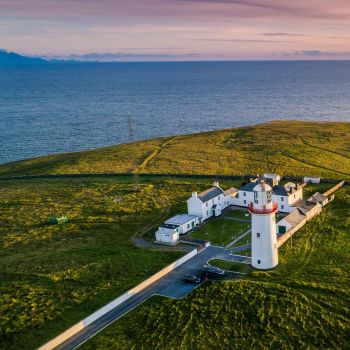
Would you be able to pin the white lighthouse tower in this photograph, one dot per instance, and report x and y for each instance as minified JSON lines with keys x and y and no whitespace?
{"x":264,"y":236}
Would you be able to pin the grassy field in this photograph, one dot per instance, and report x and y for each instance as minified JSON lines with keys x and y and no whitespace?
{"x":54,"y":275}
{"x":220,"y":231}
{"x":286,"y":147}
{"x":302,"y":304}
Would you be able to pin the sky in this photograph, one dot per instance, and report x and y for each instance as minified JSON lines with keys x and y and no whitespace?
{"x":156,"y":30}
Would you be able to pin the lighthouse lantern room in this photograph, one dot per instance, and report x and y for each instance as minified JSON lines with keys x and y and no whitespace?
{"x":264,"y":236}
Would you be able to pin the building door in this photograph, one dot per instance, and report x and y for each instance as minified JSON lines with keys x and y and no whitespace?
{"x":282,"y":230}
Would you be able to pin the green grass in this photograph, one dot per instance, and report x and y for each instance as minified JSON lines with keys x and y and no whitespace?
{"x":302,"y":304}
{"x":238,"y":214}
{"x":231,"y":266}
{"x":285,"y":147}
{"x":54,"y":275}
{"x":220,"y":231}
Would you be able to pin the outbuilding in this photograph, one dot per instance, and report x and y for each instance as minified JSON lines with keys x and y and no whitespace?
{"x":311,"y":180}
{"x":184,"y":222}
{"x":167,"y":234}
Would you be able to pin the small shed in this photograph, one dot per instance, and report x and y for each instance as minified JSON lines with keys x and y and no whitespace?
{"x":167,"y":234}
{"x":290,"y":221}
{"x":319,"y":198}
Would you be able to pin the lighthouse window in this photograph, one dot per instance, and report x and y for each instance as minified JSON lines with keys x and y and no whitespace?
{"x":258,"y":261}
{"x":269,"y":196}
{"x":258,"y":234}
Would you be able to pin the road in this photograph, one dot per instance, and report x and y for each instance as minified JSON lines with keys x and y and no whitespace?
{"x":170,"y":285}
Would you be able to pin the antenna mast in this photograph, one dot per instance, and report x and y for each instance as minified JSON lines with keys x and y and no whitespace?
{"x":136,"y":178}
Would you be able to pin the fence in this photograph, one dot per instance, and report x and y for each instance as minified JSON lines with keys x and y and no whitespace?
{"x":105,"y":309}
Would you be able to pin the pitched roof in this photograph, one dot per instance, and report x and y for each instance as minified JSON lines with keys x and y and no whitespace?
{"x":304,"y":206}
{"x":295,"y":217}
{"x":318,"y":197}
{"x":249,"y":186}
{"x":230,"y":191}
{"x":280,"y":190}
{"x":210,"y":194}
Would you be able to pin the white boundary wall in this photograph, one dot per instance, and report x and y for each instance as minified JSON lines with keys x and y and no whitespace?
{"x":100,"y":312}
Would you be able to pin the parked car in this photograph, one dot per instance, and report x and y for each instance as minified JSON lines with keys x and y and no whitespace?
{"x":213,"y":270}
{"x":191,"y":279}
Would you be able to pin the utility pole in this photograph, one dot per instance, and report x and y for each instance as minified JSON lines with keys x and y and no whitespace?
{"x":136,"y":178}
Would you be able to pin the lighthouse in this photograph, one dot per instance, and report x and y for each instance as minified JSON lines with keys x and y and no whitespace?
{"x":264,"y":236}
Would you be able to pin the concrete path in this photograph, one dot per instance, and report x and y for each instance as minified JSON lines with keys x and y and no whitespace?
{"x":170,"y":285}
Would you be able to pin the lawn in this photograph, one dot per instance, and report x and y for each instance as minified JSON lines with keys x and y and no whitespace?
{"x":238,"y":214}
{"x":231,"y":266}
{"x":220,"y":231}
{"x":54,"y":275}
{"x":302,"y":304}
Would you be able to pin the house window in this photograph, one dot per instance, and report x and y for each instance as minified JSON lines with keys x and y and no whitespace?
{"x":259,"y":262}
{"x":282,"y":199}
{"x":188,"y":225}
{"x":244,"y":194}
{"x":245,"y":202}
{"x":207,"y":212}
{"x":213,"y":201}
{"x":219,"y":198}
{"x":206,"y":204}
{"x":282,"y":206}
{"x":258,"y":234}
{"x":237,"y":195}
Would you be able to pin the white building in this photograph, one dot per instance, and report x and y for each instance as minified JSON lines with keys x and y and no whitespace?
{"x":167,"y":234}
{"x":285,"y":196}
{"x":311,"y":180}
{"x":208,"y":203}
{"x":184,"y":222}
{"x":264,"y":236}
{"x":290,"y":221}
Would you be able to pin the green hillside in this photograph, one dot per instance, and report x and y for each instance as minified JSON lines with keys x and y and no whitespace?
{"x":54,"y":275}
{"x":287,"y":147}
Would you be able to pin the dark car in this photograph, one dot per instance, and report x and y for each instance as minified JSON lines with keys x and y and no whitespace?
{"x":213,"y":270}
{"x":191,"y":279}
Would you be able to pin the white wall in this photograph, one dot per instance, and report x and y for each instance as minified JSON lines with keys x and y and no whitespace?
{"x":264,"y":248}
{"x":240,"y":198}
{"x":101,"y":312}
{"x":184,"y":227}
{"x":167,"y":236}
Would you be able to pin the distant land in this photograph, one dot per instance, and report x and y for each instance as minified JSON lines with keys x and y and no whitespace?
{"x":13,"y":58}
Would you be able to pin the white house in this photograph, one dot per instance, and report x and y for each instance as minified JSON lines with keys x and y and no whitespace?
{"x":167,"y":234}
{"x":184,"y":222}
{"x":286,"y":196}
{"x":208,"y":203}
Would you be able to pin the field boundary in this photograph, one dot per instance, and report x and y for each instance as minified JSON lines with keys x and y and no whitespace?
{"x":160,"y":175}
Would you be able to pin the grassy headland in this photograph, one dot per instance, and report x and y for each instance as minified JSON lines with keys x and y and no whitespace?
{"x":286,"y":147}
{"x":54,"y":275}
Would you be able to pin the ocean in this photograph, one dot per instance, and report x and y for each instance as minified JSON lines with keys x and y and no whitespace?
{"x":46,"y":109}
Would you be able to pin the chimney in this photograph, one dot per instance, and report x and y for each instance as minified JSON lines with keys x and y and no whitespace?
{"x":216,"y":184}
{"x":194,"y":194}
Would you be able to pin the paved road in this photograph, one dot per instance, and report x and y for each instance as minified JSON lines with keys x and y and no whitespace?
{"x":170,"y":285}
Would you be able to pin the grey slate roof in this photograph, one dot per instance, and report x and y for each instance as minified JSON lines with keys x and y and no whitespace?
{"x":248,"y":187}
{"x":210,"y":194}
{"x":318,"y":198}
{"x":280,"y":190}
